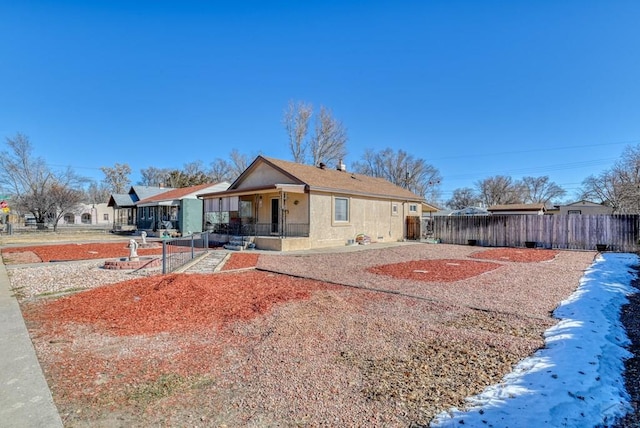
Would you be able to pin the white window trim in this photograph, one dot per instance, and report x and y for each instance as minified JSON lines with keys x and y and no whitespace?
{"x":333,"y":211}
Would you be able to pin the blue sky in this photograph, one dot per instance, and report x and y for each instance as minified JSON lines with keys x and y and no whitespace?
{"x":476,"y":88}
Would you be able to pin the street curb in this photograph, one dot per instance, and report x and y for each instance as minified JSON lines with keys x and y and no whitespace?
{"x":25,"y":397}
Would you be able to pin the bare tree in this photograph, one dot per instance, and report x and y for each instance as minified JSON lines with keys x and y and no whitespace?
{"x":34,"y":187}
{"x":239,"y":162}
{"x":116,"y":178}
{"x":540,"y":190}
{"x":462,"y":198}
{"x":97,"y":193}
{"x":220,"y":170}
{"x":153,"y":176}
{"x":65,"y":200}
{"x":618,"y":187}
{"x":194,"y":168}
{"x":329,"y":141}
{"x":403,"y":170}
{"x":604,"y":188}
{"x":296,"y":123}
{"x":499,"y":190}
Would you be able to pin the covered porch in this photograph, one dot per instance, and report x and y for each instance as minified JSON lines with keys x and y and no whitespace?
{"x":158,"y":219}
{"x":269,"y":215}
{"x":124,"y":219}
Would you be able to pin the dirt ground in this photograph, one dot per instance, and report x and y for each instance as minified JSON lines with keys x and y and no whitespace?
{"x":258,"y":347}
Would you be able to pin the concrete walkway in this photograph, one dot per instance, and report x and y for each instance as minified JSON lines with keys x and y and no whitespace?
{"x":25,"y":398}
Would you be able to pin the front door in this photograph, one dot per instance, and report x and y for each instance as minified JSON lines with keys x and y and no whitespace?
{"x":275,"y":215}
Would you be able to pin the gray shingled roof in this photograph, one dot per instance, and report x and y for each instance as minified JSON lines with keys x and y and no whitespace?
{"x":135,"y":194}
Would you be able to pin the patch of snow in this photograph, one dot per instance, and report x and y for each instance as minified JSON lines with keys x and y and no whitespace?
{"x":577,"y":379}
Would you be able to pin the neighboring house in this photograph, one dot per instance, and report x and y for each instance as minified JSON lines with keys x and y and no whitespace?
{"x":515,"y":209}
{"x":124,"y":206}
{"x":428,"y":209}
{"x":290,"y":206}
{"x":174,"y":212}
{"x":470,"y":211}
{"x":585,"y":207}
{"x":89,"y":214}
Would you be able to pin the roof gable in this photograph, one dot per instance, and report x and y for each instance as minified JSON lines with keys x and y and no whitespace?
{"x":142,"y":192}
{"x":584,"y":203}
{"x":120,"y":200}
{"x":265,"y":171}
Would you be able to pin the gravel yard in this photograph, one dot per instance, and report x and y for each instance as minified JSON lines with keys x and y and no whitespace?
{"x":379,"y":336}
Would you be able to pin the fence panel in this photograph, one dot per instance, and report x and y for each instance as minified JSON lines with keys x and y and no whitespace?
{"x":177,"y":252}
{"x":575,"y":232}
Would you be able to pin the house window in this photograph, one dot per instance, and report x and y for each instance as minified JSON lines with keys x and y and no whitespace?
{"x":341,"y":209}
{"x":574,"y":212}
{"x":105,"y":217}
{"x":394,"y":209}
{"x":413,"y":208}
{"x":246,"y":209}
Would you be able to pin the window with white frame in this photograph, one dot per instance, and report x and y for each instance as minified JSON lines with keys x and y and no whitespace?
{"x":341,"y":209}
{"x":394,"y":209}
{"x":413,"y":208}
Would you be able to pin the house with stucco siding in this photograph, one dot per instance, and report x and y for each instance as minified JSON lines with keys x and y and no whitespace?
{"x":585,"y":207}
{"x":286,"y":206}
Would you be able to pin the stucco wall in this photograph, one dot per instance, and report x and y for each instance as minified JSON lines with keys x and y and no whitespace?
{"x":586,"y":208}
{"x":96,"y":211}
{"x":297,"y":205}
{"x":264,"y":174}
{"x":371,"y":217}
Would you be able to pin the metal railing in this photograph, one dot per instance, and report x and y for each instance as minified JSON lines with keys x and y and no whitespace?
{"x":157,"y":224}
{"x":288,"y":230}
{"x":177,"y":252}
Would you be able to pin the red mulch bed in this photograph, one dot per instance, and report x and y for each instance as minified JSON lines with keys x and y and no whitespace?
{"x":523,"y":255}
{"x":190,"y":306}
{"x":47,"y":253}
{"x":241,"y":261}
{"x":443,"y":270}
{"x":176,"y":302}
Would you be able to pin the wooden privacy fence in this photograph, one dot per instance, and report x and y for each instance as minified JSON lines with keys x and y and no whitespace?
{"x":575,"y":232}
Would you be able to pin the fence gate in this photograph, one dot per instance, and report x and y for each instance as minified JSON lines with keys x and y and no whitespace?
{"x":413,"y":228}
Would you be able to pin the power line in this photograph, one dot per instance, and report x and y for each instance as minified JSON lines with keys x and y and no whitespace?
{"x":531,"y":170}
{"x":547,"y":149}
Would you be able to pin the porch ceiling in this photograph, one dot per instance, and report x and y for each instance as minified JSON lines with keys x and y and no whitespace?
{"x":290,"y":188}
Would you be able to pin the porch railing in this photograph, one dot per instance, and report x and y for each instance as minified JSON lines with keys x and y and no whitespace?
{"x":177,"y":252}
{"x":288,"y":230}
{"x":151,"y":224}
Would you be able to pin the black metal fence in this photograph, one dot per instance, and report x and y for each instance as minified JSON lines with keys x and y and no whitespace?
{"x":151,"y":224}
{"x":288,"y":230}
{"x":177,"y":252}
{"x":578,"y":232}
